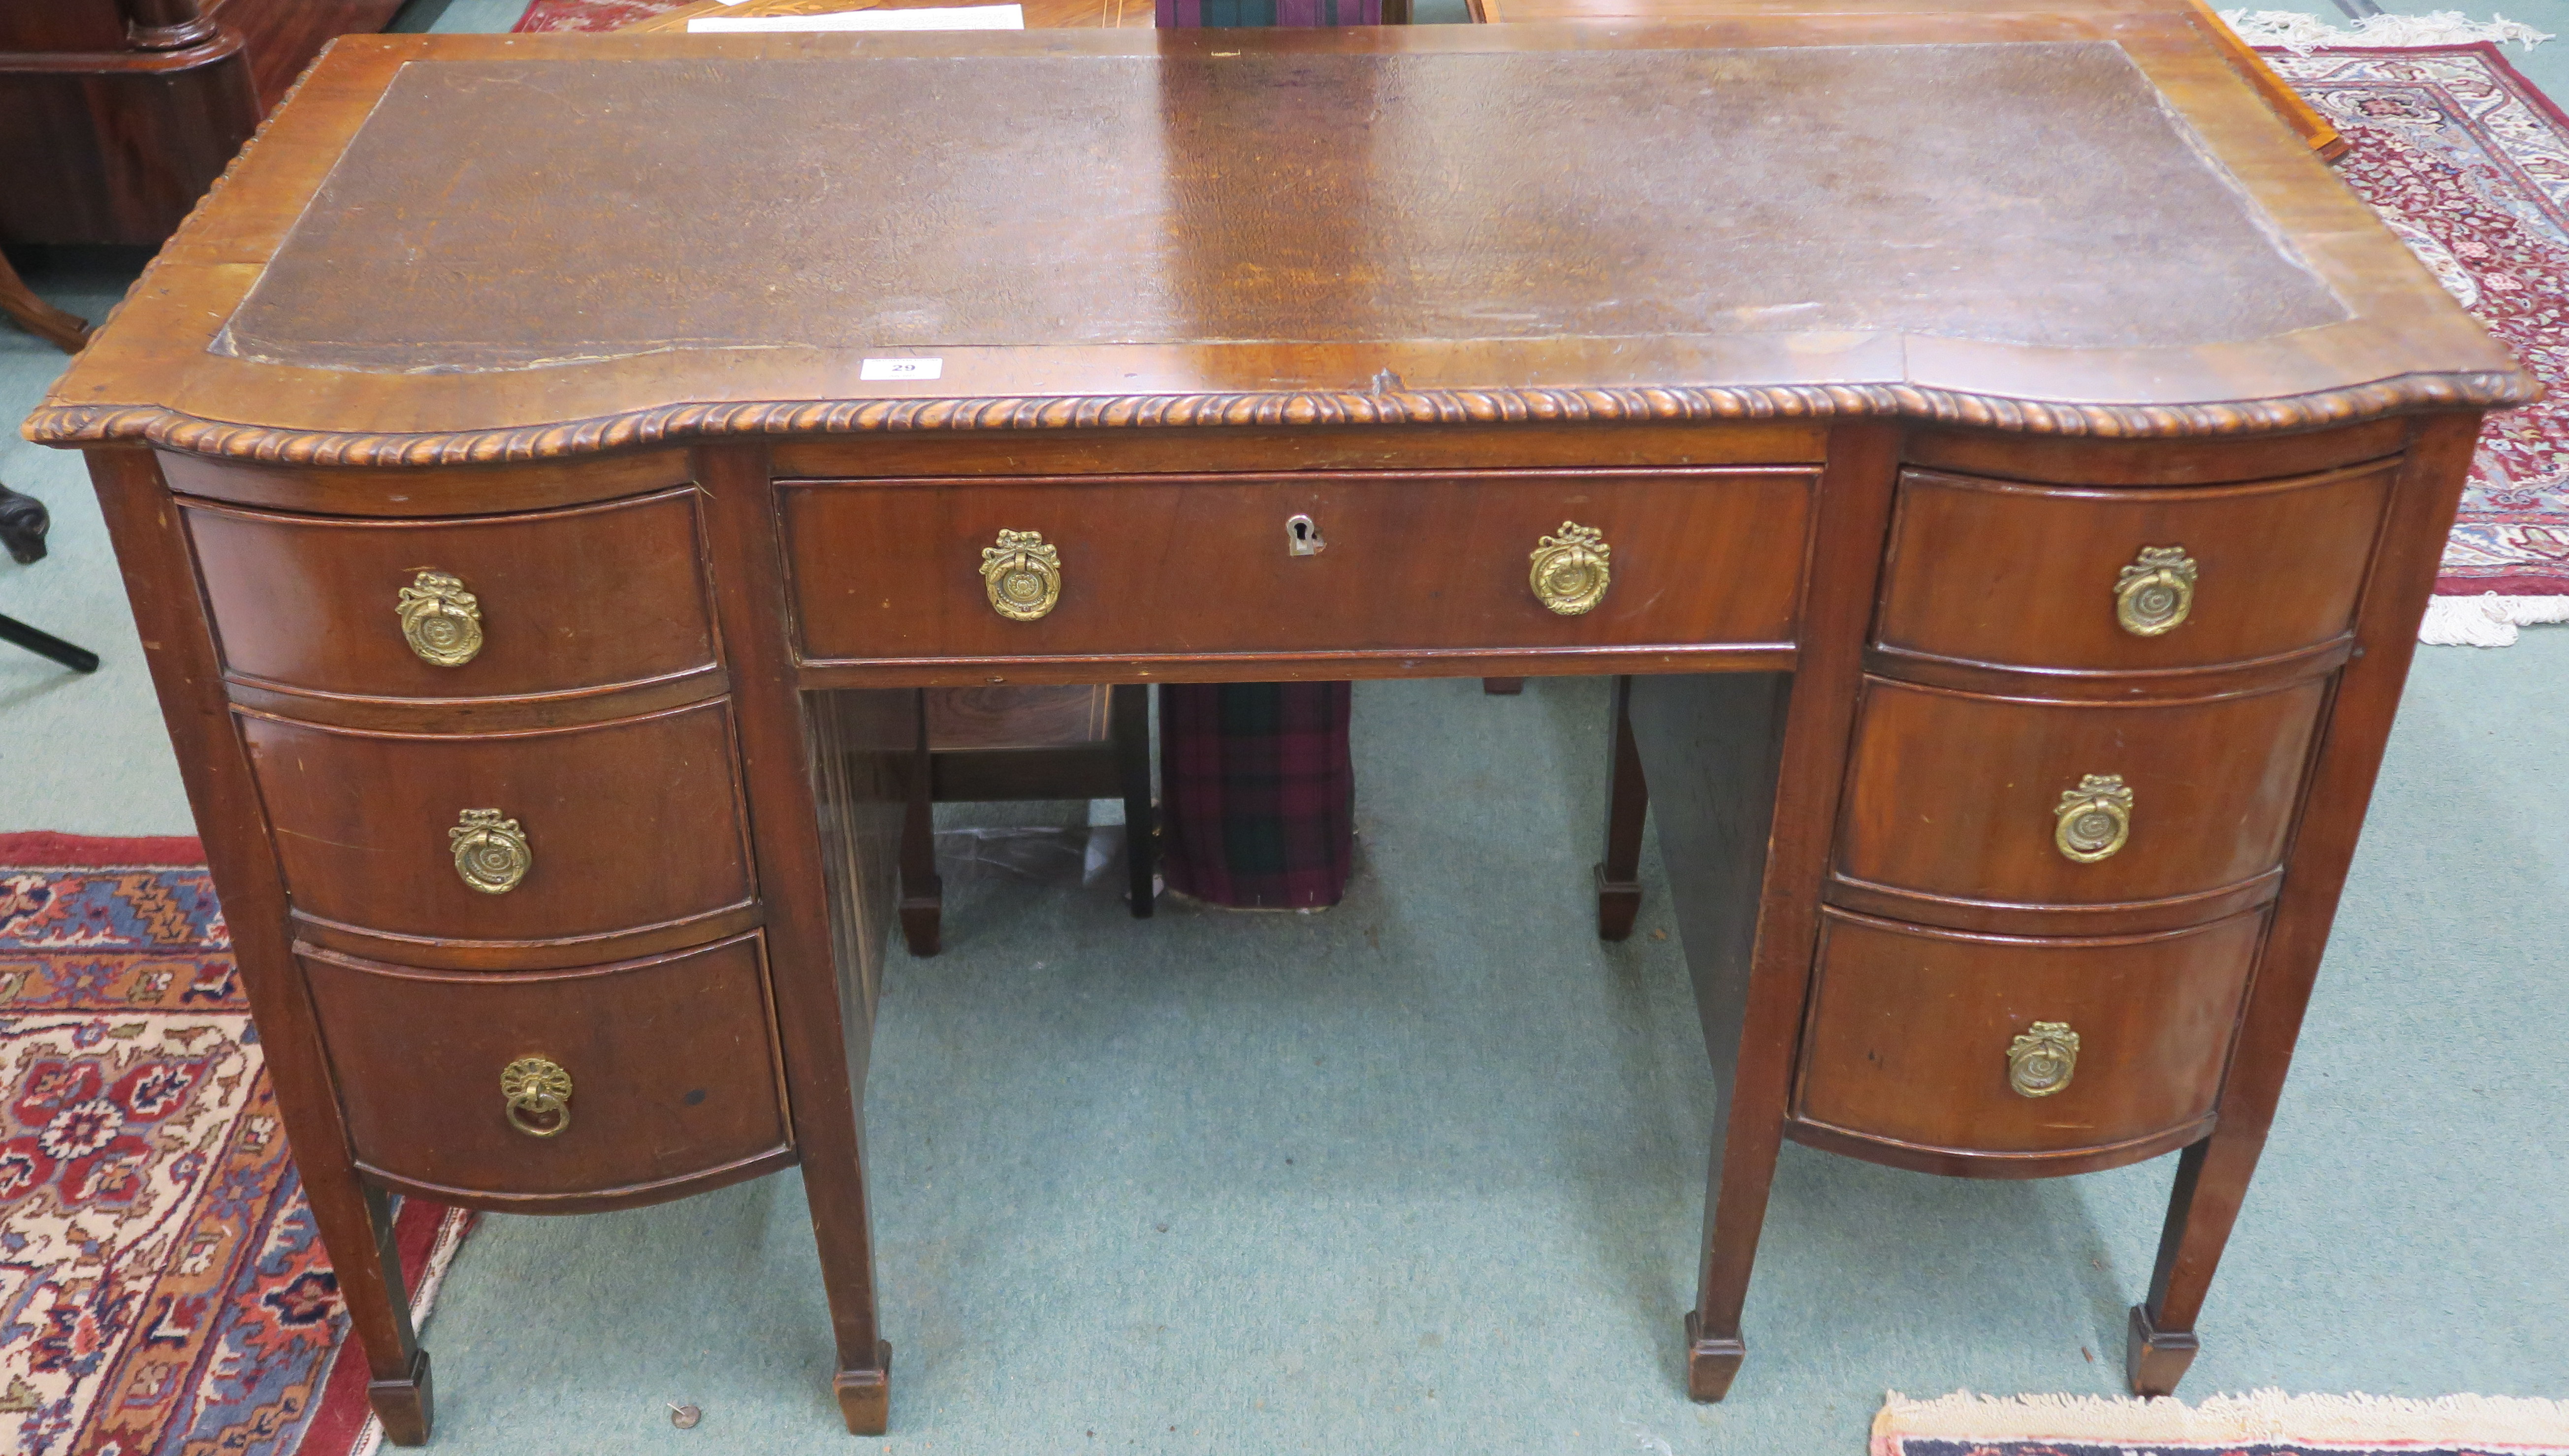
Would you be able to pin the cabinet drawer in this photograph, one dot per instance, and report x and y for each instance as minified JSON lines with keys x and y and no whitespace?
{"x":2034,"y":575}
{"x":667,"y":1072}
{"x":620,"y":827}
{"x":561,"y":601}
{"x":1916,"y":1037}
{"x":1960,"y":796}
{"x":1194,"y":564}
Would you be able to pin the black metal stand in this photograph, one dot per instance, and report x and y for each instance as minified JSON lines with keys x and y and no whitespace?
{"x":23,"y":522}
{"x":46,"y":644}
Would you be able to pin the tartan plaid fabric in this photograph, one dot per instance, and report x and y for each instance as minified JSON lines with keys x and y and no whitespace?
{"x":1257,"y":795}
{"x":1190,"y":14}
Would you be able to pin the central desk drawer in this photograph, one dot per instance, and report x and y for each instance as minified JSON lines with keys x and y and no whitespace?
{"x":888,"y":571}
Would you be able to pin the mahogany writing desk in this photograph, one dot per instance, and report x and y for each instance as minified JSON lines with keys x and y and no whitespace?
{"x":2011,"y":465}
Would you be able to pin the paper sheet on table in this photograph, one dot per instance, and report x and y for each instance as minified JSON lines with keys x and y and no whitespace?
{"x":945,"y":17}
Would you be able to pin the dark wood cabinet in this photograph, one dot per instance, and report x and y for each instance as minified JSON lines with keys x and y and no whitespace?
{"x":540,"y":597}
{"x":119,"y":114}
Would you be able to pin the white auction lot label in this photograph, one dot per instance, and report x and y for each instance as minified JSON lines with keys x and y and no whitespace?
{"x":902,"y":369}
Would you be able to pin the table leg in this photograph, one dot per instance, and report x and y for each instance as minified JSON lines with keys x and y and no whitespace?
{"x":923,"y":894}
{"x":398,"y":1386}
{"x":1129,"y":714}
{"x":1711,"y":744}
{"x":2200,"y":1212}
{"x":1628,"y":802}
{"x":1744,"y":770}
{"x":828,"y":899}
{"x":2212,"y":1176}
{"x":64,"y":331}
{"x":354,"y":1218}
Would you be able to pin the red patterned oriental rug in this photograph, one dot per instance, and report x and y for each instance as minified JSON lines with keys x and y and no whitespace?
{"x":2469,"y":164}
{"x":161,"y":1288}
{"x":2266,"y":1423}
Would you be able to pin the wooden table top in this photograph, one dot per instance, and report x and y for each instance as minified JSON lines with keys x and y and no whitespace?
{"x":501,"y":244}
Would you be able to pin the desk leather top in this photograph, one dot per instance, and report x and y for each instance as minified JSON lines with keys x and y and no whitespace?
{"x":2032,"y":192}
{"x":515,"y":246}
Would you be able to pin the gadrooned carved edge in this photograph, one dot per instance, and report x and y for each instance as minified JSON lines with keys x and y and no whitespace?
{"x":170,"y":430}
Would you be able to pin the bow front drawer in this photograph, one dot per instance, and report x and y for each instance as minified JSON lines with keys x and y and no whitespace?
{"x":892,"y":571}
{"x":542,"y":843}
{"x":2127,"y":579}
{"x":549,"y":604}
{"x":1927,"y":1043}
{"x":611,"y":1079}
{"x":1972,"y":806}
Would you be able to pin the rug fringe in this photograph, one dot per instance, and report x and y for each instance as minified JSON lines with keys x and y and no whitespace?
{"x":2486,"y":1422}
{"x":2302,"y":34}
{"x":2486,"y":621}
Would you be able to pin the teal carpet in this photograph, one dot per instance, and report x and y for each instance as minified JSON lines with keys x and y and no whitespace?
{"x":1423,"y":1174}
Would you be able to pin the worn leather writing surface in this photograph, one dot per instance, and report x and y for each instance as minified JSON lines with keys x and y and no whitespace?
{"x":501,"y":215}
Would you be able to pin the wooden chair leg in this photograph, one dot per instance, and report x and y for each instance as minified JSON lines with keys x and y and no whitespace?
{"x":64,"y":331}
{"x":1130,"y":725}
{"x":1628,"y":802}
{"x":1503,"y":687}
{"x":923,"y":894}
{"x":22,"y":523}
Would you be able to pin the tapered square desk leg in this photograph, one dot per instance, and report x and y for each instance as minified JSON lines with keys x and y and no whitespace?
{"x":864,"y":1396}
{"x":1628,"y":802}
{"x":406,"y":1407}
{"x":2212,"y":1176}
{"x":354,"y":1218}
{"x":1712,"y":1364}
{"x":1744,"y":770}
{"x":1711,"y":745}
{"x":2160,"y":1341}
{"x":828,"y":837}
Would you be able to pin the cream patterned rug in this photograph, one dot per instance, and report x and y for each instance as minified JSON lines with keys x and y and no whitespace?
{"x":2266,"y":1423}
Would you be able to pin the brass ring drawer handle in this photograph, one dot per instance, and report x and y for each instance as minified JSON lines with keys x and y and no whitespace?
{"x":2043,"y":1060}
{"x":440,"y":619}
{"x":539,"y":1096}
{"x":2155,"y":594}
{"x":1023,"y":576}
{"x":2093,"y":820}
{"x":1571,"y":571}
{"x":491,"y":853}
